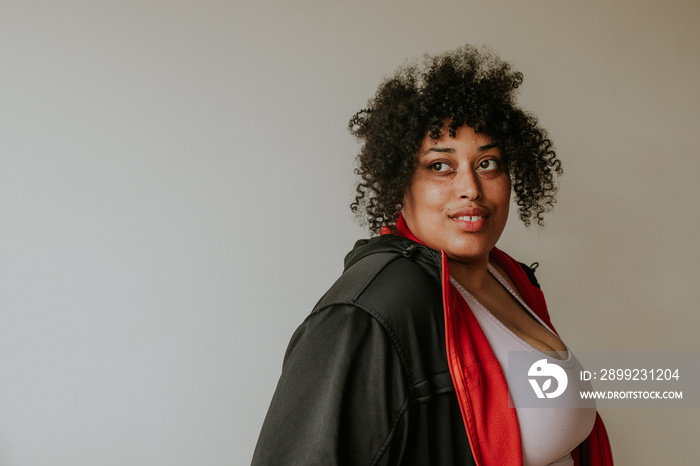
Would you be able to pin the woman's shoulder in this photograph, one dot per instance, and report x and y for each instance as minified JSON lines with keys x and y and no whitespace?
{"x":385,"y":275}
{"x":395,"y":284}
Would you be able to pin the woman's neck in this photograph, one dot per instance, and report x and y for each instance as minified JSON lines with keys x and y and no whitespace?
{"x":473,"y":276}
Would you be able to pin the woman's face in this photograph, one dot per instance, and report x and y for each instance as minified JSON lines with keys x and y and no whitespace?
{"x":459,"y":195}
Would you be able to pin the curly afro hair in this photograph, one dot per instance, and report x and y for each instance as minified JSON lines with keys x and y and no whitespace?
{"x":466,"y":86}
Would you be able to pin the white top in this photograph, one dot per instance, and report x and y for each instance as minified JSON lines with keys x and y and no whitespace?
{"x":547,"y":434}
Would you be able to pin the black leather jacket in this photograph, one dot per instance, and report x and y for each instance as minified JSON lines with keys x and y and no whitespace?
{"x":365,"y":379}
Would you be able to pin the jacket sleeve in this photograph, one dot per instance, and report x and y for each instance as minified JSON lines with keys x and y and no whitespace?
{"x":341,"y":397}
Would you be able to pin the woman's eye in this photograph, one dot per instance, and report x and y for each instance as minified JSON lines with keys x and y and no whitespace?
{"x":488,"y":164}
{"x":439,"y":167}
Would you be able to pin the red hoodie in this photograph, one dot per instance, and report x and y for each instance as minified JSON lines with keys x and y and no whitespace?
{"x":481,"y":387}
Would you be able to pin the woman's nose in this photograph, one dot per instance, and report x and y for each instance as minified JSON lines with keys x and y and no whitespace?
{"x":468,"y":185}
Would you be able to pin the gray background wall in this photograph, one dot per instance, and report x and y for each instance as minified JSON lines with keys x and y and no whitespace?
{"x":174,"y":182}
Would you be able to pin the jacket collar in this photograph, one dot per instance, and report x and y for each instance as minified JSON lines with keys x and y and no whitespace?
{"x":402,"y":229}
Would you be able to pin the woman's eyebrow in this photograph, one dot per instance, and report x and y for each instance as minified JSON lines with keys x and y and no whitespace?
{"x":487,"y":147}
{"x":447,"y":150}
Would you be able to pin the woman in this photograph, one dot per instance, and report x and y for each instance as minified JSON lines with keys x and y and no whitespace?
{"x":402,"y":360}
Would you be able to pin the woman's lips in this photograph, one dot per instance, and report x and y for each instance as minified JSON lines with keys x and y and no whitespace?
{"x":470,"y":220}
{"x":470,"y":224}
